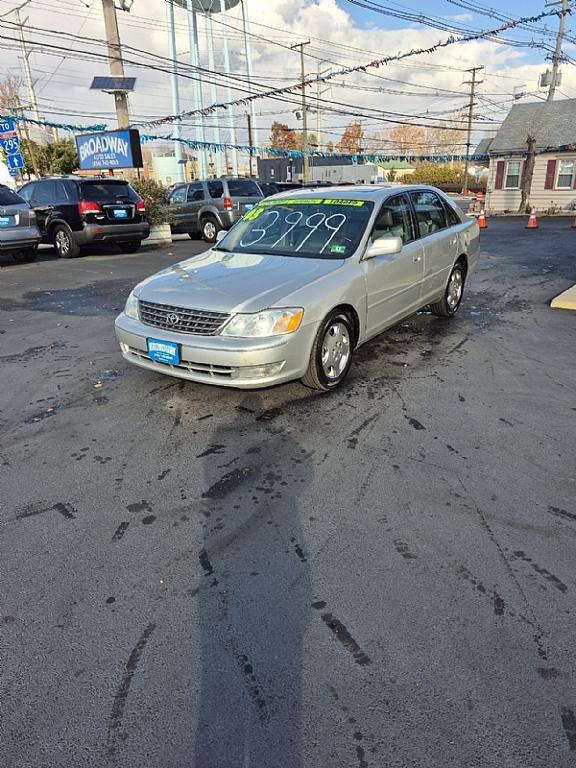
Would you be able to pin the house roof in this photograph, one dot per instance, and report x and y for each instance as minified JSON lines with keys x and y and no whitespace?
{"x":483,"y":147}
{"x":552,"y":123}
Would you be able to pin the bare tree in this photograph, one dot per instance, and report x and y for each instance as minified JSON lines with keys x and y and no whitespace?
{"x":527,"y":174}
{"x":10,"y":94}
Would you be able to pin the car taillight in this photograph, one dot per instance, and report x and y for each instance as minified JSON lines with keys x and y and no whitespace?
{"x":227,"y":204}
{"x":140,"y":206}
{"x":86,"y":206}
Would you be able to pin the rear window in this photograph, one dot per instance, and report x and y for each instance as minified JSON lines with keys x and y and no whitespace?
{"x":107,"y":191}
{"x":243,"y":188}
{"x":7,"y":197}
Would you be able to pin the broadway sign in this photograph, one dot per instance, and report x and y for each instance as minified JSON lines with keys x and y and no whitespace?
{"x":109,"y":149}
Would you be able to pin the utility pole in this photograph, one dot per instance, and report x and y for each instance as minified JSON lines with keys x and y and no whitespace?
{"x":319,"y":93}
{"x":115,"y":59}
{"x":250,"y":139}
{"x":557,"y":55}
{"x":472,"y":83}
{"x":26,"y":64}
{"x":305,"y":158}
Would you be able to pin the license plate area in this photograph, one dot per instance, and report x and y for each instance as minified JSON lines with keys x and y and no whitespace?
{"x":163,"y":351}
{"x":6,"y":221}
{"x":120,"y":213}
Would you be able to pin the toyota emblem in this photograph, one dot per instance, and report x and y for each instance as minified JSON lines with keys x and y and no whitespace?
{"x":172,"y":319}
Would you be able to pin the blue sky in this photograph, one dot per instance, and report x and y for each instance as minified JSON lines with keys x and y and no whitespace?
{"x":451,"y":11}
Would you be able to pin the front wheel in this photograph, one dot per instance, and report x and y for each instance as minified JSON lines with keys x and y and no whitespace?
{"x":331,"y":355}
{"x":65,"y":244}
{"x":210,"y":229}
{"x":25,"y":257}
{"x":450,"y":302}
{"x":130,"y":247}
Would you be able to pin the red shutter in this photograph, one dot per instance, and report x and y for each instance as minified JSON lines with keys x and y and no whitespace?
{"x":499,"y":182}
{"x":550,"y":174}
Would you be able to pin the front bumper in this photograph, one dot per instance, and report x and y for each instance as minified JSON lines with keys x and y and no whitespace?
{"x":112,"y":233}
{"x":226,"y":362}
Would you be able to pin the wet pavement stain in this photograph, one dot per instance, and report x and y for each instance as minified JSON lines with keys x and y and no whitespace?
{"x":402,"y":549}
{"x":139,"y":506}
{"x":544,"y":572}
{"x":569,"y":725}
{"x":563,"y":513}
{"x":148,"y":520}
{"x":415,"y":423}
{"x":228,"y":483}
{"x":345,"y":638}
{"x":120,"y":531}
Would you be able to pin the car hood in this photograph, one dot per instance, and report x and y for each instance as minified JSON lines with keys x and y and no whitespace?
{"x":233,"y":282}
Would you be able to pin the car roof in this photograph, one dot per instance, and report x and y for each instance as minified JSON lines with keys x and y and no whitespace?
{"x":73,"y":177}
{"x":366,"y":192}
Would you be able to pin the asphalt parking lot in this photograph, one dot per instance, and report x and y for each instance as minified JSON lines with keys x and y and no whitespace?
{"x":378,"y":577}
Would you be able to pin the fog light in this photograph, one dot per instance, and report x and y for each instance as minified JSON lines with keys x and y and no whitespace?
{"x":260,"y":371}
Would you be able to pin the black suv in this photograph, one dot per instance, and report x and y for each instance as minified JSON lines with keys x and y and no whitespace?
{"x":73,"y":211}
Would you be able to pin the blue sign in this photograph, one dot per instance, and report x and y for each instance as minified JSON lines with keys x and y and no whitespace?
{"x":10,"y":144}
{"x":15,"y":161}
{"x":109,"y":149}
{"x":13,"y":172}
{"x":7,"y":125}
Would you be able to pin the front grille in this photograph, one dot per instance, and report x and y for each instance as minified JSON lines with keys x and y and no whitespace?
{"x":197,"y":321}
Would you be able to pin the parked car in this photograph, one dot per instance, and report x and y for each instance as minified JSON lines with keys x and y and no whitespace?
{"x":296,"y":286}
{"x":268,"y":187}
{"x":206,"y":207}
{"x":19,"y":233}
{"x":73,"y":211}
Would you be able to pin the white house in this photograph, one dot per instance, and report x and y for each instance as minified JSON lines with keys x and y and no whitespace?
{"x":553,"y":188}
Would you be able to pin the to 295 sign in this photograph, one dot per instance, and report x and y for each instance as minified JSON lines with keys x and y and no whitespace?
{"x":6,"y":125}
{"x":10,"y":144}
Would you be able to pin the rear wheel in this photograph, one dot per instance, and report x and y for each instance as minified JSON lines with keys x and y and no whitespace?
{"x":65,"y":244}
{"x":130,"y":247}
{"x":210,"y":229}
{"x":331,"y":355}
{"x":25,"y":257}
{"x":452,"y":298}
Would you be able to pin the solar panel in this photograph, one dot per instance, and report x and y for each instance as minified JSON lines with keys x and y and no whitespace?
{"x":113,"y":83}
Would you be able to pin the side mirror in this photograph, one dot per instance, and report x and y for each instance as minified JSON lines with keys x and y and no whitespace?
{"x":384,"y":246}
{"x":221,"y":234}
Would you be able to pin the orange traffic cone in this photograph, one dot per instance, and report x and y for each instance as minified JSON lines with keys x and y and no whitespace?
{"x":482,"y":219}
{"x":532,"y":223}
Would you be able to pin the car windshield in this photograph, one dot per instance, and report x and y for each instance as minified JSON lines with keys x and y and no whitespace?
{"x":7,"y":197}
{"x":103,"y":191}
{"x":319,"y":228}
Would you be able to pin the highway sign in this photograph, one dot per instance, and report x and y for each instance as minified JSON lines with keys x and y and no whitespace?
{"x":13,"y":172}
{"x":6,"y":125}
{"x":10,"y":143}
{"x":15,"y":161}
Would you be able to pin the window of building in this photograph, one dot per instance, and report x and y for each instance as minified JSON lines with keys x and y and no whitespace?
{"x":513,"y":174}
{"x":565,"y":177}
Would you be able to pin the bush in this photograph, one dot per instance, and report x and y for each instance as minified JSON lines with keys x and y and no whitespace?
{"x":154,"y":196}
{"x":435,"y":174}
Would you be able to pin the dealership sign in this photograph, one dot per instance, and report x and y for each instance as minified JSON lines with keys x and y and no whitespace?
{"x":109,"y":149}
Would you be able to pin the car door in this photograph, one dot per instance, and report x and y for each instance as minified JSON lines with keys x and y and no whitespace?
{"x":177,"y":202}
{"x":43,"y":203}
{"x":439,"y":240}
{"x":194,"y":201}
{"x":393,"y":283}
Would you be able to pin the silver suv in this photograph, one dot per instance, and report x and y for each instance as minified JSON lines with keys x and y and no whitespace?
{"x":205,"y":207}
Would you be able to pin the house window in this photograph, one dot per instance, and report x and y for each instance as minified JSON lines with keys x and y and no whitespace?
{"x":565,"y":174}
{"x":513,"y":175}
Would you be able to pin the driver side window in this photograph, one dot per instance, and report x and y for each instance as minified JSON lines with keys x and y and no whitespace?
{"x":394,"y":220}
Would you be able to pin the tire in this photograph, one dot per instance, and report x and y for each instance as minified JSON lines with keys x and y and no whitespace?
{"x":130,"y":247}
{"x":210,"y":229}
{"x":65,"y":243}
{"x":452,"y":298}
{"x":25,"y":257}
{"x":331,"y":355}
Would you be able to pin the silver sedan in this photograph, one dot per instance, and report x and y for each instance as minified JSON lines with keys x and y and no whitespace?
{"x":299,"y":283}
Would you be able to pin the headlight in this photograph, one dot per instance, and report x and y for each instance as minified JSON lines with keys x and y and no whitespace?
{"x":131,"y":308}
{"x":270,"y":322}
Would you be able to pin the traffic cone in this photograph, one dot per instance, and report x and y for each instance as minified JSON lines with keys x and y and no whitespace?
{"x":532,"y":223}
{"x":482,"y":219}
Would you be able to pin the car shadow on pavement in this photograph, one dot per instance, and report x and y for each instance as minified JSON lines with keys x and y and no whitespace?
{"x":254,"y":603}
